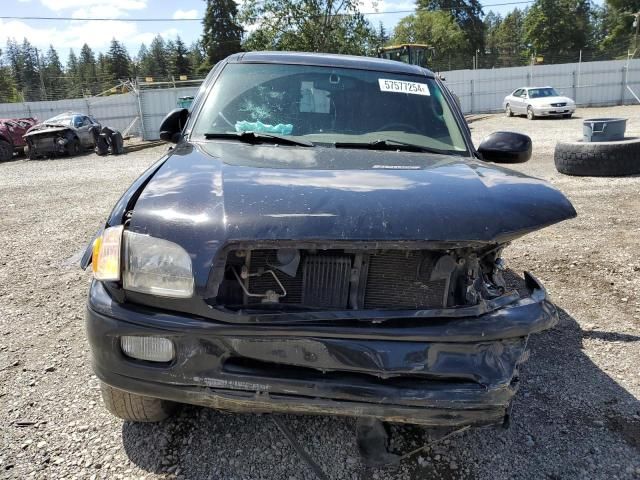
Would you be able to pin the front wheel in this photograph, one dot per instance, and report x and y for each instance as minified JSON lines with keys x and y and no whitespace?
{"x":567,"y":115}
{"x":135,"y":408}
{"x":508,"y":112}
{"x":73,"y":147}
{"x":31,"y":151}
{"x":530,"y":114}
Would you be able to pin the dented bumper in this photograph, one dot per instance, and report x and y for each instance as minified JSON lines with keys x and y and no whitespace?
{"x":430,"y":371}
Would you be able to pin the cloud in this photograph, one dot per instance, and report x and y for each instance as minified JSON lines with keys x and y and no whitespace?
{"x":75,"y":34}
{"x":58,"y":5}
{"x":185,"y":14}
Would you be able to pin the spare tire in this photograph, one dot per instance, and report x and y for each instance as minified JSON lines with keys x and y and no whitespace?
{"x":598,"y":159}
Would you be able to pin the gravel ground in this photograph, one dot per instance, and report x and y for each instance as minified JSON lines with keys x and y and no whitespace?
{"x":576,"y":415}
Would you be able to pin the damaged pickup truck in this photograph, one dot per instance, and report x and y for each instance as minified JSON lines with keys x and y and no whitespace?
{"x":323,"y":238}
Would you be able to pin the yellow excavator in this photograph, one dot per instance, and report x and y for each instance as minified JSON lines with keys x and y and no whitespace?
{"x":412,"y":53}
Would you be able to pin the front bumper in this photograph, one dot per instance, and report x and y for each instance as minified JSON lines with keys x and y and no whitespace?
{"x":432,"y":371}
{"x":553,"y":111}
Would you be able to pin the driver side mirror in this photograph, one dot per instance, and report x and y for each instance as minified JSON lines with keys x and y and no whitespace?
{"x":172,"y":125}
{"x":506,"y":147}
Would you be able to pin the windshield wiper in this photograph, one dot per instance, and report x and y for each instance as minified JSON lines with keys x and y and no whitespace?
{"x":390,"y":144}
{"x":259,"y":137}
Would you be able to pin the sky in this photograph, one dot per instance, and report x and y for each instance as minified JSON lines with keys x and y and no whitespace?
{"x":65,"y":34}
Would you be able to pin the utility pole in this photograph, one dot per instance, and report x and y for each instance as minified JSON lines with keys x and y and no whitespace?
{"x":636,"y":25}
{"x":44,"y":91}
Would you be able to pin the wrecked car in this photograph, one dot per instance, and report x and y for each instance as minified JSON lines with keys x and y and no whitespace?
{"x":11,"y":132}
{"x":322,"y":238}
{"x":65,"y":134}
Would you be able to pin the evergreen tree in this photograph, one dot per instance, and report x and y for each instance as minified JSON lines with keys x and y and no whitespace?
{"x":119,"y":63}
{"x":492,"y":23}
{"x":198,"y":59}
{"x":15,"y":63}
{"x":106,"y":79}
{"x":613,"y":27}
{"x":74,"y":83}
{"x":31,"y":81}
{"x":156,"y":61}
{"x":180,"y":58}
{"x":53,"y":75}
{"x":8,"y":91}
{"x":87,"y":71}
{"x":222,"y":31}
{"x":142,"y":61}
{"x":381,"y":35}
{"x":509,"y":36}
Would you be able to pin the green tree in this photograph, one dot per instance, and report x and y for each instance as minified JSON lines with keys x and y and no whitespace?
{"x":142,"y":61}
{"x":437,"y":29}
{"x":509,"y":38}
{"x":614,"y":27}
{"x":156,"y":64}
{"x":87,"y":71}
{"x":119,"y":63}
{"x":222,"y":32}
{"x":53,"y":75}
{"x":30,"y":76}
{"x":8,"y":91}
{"x":492,"y":24}
{"x":310,"y":26}
{"x":467,"y":14}
{"x":180,"y":60}
{"x":198,"y":59}
{"x":382,"y":36}
{"x":14,"y":57}
{"x":74,"y":83}
{"x":558,"y":28}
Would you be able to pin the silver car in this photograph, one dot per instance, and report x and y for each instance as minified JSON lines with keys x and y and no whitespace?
{"x":538,"y":102}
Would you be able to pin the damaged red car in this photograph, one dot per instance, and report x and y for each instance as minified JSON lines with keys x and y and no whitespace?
{"x":323,"y":238}
{"x":11,"y":136}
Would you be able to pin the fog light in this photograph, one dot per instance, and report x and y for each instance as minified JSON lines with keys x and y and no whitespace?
{"x":153,"y":349}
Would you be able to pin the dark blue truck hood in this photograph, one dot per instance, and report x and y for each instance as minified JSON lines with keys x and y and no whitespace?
{"x":206,"y":195}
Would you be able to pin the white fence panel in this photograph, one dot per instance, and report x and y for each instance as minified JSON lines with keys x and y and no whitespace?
{"x":155,"y":104}
{"x":590,"y":83}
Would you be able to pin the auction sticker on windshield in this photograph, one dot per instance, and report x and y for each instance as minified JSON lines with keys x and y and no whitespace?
{"x":400,"y":86}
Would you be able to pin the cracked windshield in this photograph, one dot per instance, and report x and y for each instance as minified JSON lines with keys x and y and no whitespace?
{"x":330,"y":106}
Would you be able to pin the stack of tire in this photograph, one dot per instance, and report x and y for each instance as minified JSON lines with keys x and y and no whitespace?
{"x":109,"y":141}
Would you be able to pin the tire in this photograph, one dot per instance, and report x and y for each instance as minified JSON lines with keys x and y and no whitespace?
{"x":567,"y":115}
{"x":31,"y":152}
{"x":530,"y":114}
{"x":598,"y":159}
{"x":508,"y":111}
{"x":20,"y":151}
{"x":6,"y":151}
{"x":102,"y":146}
{"x":73,"y":147}
{"x":135,"y":408}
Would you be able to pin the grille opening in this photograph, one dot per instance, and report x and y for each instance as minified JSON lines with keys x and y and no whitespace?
{"x":256,"y":368}
{"x":340,"y":279}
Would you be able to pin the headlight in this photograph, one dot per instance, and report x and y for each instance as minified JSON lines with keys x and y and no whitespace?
{"x":105,"y":261}
{"x":156,"y":266}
